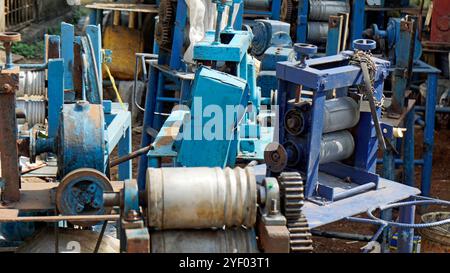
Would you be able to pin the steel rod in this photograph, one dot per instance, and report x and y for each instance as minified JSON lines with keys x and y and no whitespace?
{"x":130,"y":156}
{"x":51,"y":219}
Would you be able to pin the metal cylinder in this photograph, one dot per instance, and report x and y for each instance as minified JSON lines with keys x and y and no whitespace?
{"x":320,"y":10}
{"x":336,"y":146}
{"x":34,"y":108}
{"x":204,"y":241}
{"x":317,"y":32}
{"x":258,"y":4}
{"x":200,"y":197}
{"x":31,"y":83}
{"x":339,"y":114}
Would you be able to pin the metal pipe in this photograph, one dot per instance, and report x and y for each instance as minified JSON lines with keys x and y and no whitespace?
{"x":438,"y":109}
{"x":354,"y":191}
{"x":340,"y":235}
{"x":120,"y":160}
{"x":51,"y":219}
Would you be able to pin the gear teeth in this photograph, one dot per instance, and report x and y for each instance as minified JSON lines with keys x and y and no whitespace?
{"x":292,"y":199}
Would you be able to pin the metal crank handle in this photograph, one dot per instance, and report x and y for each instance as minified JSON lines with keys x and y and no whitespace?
{"x":373,"y":110}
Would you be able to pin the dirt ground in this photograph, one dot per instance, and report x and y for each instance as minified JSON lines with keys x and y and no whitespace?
{"x":440,"y":189}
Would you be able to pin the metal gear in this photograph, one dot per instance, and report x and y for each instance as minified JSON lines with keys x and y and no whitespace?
{"x":292,"y":200}
{"x":287,"y":8}
{"x":164,"y":27}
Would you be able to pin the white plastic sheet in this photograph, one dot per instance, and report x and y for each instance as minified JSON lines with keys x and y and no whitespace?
{"x":202,"y":18}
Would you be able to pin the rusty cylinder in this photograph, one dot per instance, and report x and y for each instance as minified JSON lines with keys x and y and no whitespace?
{"x":182,"y":198}
{"x":204,"y":241}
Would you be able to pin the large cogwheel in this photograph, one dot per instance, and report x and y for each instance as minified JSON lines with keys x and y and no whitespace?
{"x":292,"y":200}
{"x":287,"y":8}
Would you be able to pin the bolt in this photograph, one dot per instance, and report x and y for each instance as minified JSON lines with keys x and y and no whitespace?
{"x":132,"y":215}
{"x":95,"y":204}
{"x":7,"y":88}
{"x":79,"y":105}
{"x":79,"y":208}
{"x":273,"y":207}
{"x":275,"y":157}
{"x":292,"y":122}
{"x":92,"y":188}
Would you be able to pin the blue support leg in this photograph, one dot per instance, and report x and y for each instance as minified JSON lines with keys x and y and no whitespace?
{"x":125,"y":148}
{"x":409,"y":150}
{"x":302,"y":21}
{"x":430,"y":111}
{"x":358,"y":20}
{"x":406,"y":235}
{"x":314,"y":142}
{"x":67,"y":38}
{"x":387,"y":232}
{"x":146,"y":139}
{"x":55,"y":94}
{"x":389,"y":163}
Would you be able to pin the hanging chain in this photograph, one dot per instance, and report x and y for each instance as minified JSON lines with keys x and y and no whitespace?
{"x":359,"y":57}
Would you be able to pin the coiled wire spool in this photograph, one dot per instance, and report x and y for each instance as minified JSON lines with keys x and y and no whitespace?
{"x":320,"y":10}
{"x":34,"y":108}
{"x":183,"y":198}
{"x":317,"y":32}
{"x":237,"y":240}
{"x":31,"y":83}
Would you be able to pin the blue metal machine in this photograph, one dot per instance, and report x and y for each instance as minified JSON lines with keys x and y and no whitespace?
{"x":271,"y":44}
{"x":404,"y":50}
{"x":312,"y":138}
{"x":333,"y":142}
{"x":82,"y":129}
{"x":312,"y":18}
{"x":224,"y":51}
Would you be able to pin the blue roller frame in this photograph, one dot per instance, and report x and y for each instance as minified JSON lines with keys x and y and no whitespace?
{"x":320,"y":75}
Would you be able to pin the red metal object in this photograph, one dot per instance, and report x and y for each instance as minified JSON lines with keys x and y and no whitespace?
{"x":440,"y":22}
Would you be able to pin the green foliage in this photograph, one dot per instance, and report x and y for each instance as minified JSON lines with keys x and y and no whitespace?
{"x":79,"y":12}
{"x":29,"y":51}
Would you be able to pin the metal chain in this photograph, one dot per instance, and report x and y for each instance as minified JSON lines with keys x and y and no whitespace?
{"x":359,"y":57}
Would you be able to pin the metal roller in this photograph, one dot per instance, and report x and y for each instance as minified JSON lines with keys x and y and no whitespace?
{"x":336,"y":146}
{"x":31,"y":83}
{"x":258,"y":4}
{"x":34,"y":109}
{"x":320,"y":10}
{"x":182,"y":198}
{"x":339,"y":114}
{"x":204,"y":241}
{"x":317,"y":32}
